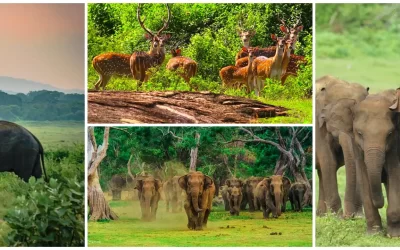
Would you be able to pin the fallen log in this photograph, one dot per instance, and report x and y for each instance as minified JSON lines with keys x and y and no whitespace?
{"x":175,"y":107}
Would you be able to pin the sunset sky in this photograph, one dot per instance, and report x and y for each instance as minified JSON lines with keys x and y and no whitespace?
{"x":43,"y":43}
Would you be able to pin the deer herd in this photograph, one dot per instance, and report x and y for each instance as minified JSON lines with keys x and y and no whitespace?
{"x":253,"y":65}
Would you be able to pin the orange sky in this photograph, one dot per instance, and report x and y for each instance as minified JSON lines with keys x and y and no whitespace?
{"x":43,"y":43}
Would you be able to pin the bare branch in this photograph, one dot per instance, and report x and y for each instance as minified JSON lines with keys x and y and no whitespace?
{"x":121,"y":129}
{"x":100,"y":153}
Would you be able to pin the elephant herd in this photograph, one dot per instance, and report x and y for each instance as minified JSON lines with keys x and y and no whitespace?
{"x":268,"y":194}
{"x":361,"y":131}
{"x":194,"y":192}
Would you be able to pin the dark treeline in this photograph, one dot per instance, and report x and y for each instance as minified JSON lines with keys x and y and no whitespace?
{"x":42,"y":106}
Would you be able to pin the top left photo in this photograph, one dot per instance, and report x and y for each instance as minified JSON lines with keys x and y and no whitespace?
{"x":42,"y":120}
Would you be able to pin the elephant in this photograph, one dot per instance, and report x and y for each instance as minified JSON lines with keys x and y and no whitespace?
{"x":279,"y":191}
{"x":234,"y":195}
{"x":251,"y":184}
{"x":224,"y":193}
{"x":334,"y":144}
{"x":296,"y":195}
{"x":235,"y":199}
{"x":149,"y":190}
{"x":286,"y":187}
{"x":20,"y":152}
{"x":200,"y":190}
{"x":116,"y":184}
{"x":173,"y":194}
{"x":376,"y":129}
{"x":263,"y":194}
{"x":245,"y":200}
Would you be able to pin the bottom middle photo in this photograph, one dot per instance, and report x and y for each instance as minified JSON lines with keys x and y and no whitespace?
{"x":200,"y":186}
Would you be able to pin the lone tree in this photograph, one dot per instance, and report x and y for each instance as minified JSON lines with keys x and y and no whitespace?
{"x":98,"y":206}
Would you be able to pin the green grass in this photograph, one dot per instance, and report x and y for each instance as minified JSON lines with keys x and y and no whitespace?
{"x":56,"y":134}
{"x":334,"y":231}
{"x":248,"y":229}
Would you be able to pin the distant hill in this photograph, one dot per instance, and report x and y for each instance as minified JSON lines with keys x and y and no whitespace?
{"x":12,"y":85}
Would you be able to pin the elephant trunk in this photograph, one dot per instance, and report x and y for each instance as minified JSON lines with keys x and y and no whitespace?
{"x":374,"y":160}
{"x":195,"y":201}
{"x":278,"y":202}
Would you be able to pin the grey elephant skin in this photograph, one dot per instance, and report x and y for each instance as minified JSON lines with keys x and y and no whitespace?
{"x":224,"y":194}
{"x":200,"y":190}
{"x":117,"y":183}
{"x":263,"y":194}
{"x":149,"y":195}
{"x":296,"y":195}
{"x":20,"y":152}
{"x":376,"y":128}
{"x":251,"y":184}
{"x":334,"y":144}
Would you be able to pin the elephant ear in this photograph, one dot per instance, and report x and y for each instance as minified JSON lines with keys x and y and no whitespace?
{"x":396,"y":106}
{"x":183,"y":182}
{"x":286,"y":181}
{"x":139,"y":185}
{"x":157,"y":184}
{"x":268,"y":181}
{"x":228,"y":183}
{"x":207,"y":182}
{"x":241,"y":183}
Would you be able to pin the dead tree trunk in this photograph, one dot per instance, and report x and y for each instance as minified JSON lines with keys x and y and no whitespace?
{"x":98,"y":206}
{"x":194,"y":153}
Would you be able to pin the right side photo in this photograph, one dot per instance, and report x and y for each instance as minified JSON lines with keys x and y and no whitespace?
{"x":357,"y":125}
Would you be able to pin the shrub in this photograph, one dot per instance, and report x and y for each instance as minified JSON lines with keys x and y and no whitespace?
{"x":48,"y":214}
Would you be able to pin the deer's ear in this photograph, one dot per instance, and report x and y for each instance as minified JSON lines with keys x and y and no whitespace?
{"x":244,"y":49}
{"x":283,"y":29}
{"x":166,"y":36}
{"x":147,"y":36}
{"x":299,"y":28}
{"x":273,"y":37}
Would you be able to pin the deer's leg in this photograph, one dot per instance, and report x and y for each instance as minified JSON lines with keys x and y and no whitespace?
{"x":105,"y":80}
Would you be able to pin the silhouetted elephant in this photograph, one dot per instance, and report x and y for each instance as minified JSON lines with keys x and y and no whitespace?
{"x":20,"y":152}
{"x":296,"y":195}
{"x":149,"y":195}
{"x":377,"y":150}
{"x":116,"y":184}
{"x":200,"y":190}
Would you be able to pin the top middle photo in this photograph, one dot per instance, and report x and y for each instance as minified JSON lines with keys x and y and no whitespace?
{"x":199,"y":63}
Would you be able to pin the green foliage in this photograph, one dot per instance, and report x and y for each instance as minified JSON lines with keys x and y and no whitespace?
{"x":48,"y":214}
{"x":206,"y":32}
{"x":42,"y":106}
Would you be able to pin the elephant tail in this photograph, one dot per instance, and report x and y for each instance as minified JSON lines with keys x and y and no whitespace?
{"x":41,"y":153}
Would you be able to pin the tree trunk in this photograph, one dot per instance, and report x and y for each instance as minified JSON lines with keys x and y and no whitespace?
{"x":98,"y":206}
{"x":193,"y":153}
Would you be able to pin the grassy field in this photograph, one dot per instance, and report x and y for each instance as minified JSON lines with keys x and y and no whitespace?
{"x":53,"y":136}
{"x":248,"y":229}
{"x":332,"y":231}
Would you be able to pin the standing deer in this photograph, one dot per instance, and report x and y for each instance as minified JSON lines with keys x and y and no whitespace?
{"x":233,"y":76}
{"x":186,"y":67}
{"x":263,"y":67}
{"x":111,"y":64}
{"x":141,"y":61}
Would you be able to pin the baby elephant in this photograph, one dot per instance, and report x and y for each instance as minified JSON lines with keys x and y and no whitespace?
{"x":235,"y":199}
{"x":296,"y":195}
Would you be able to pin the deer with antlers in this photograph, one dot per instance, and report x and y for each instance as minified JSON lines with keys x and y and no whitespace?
{"x":185,"y":66}
{"x":141,"y":61}
{"x":263,"y":67}
{"x":233,"y":76}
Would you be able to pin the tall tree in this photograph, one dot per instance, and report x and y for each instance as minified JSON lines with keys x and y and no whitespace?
{"x":98,"y":206}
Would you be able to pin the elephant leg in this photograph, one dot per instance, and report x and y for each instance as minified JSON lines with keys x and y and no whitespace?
{"x":321,"y":209}
{"x":200,"y":219}
{"x":154,"y":207}
{"x":374,"y":223}
{"x":264,"y":209}
{"x":329,"y":178}
{"x":393,"y":196}
{"x":25,"y":166}
{"x":272,"y":208}
{"x":205,"y":220}
{"x":284,"y":203}
{"x":251,"y":203}
{"x":190,"y":215}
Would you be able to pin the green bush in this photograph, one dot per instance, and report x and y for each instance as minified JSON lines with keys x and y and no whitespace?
{"x":48,"y":214}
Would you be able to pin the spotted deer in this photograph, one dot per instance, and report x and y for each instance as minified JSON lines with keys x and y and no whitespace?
{"x":263,"y":67}
{"x":141,"y":61}
{"x":233,"y":76}
{"x":111,"y":64}
{"x":186,"y":67}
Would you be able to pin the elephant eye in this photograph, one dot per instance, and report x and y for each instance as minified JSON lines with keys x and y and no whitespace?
{"x":359,"y":133}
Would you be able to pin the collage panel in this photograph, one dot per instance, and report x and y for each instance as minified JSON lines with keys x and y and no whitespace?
{"x":357,"y":125}
{"x":42,"y":125}
{"x":200,"y":186}
{"x":199,"y":63}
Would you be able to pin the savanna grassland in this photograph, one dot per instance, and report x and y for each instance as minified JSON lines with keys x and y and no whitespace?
{"x":356,"y":43}
{"x":248,"y":229}
{"x":63,"y":143}
{"x":207,"y":33}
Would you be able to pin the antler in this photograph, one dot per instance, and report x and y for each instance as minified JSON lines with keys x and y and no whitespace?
{"x":165,"y":23}
{"x":283,"y":23}
{"x":142,"y":22}
{"x":297,"y":22}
